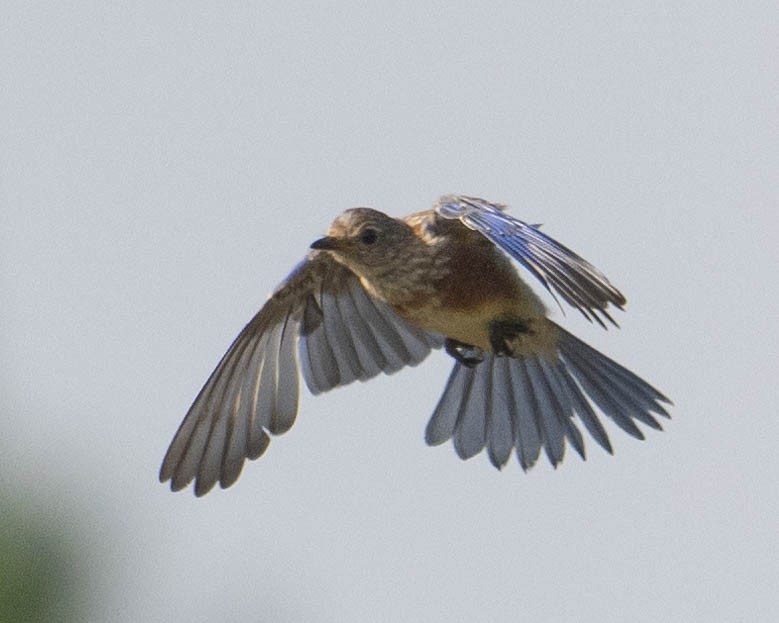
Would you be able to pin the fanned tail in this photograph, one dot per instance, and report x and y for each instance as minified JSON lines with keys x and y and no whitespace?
{"x":530,"y":402}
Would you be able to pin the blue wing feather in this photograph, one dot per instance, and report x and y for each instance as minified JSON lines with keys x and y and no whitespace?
{"x":557,"y":268}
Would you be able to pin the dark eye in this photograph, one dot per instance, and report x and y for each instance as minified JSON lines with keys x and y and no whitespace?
{"x":368,"y":235}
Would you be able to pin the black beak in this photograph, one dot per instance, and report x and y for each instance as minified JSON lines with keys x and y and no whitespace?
{"x":328,"y":243}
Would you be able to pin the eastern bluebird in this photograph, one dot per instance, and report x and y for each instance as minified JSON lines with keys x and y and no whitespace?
{"x":378,"y":293}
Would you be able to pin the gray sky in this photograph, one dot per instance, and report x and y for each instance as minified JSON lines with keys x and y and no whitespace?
{"x":162,"y":168}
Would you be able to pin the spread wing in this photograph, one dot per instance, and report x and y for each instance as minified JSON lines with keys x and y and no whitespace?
{"x":558,"y":268}
{"x":320,"y":321}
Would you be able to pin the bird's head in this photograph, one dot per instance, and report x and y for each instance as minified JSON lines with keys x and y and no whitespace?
{"x":367,"y":241}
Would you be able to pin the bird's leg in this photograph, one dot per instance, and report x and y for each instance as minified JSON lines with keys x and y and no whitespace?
{"x":503,"y":331}
{"x":467,"y":354}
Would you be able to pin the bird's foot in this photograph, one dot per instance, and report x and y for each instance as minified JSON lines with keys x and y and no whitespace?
{"x":505,"y":331}
{"x":466,"y":354}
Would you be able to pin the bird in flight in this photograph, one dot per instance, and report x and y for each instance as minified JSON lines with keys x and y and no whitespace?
{"x":378,"y":293}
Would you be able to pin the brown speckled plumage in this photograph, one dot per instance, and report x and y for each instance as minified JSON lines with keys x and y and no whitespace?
{"x":378,"y":293}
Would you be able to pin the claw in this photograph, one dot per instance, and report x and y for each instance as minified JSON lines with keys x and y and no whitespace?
{"x":466,"y":354}
{"x":503,"y":332}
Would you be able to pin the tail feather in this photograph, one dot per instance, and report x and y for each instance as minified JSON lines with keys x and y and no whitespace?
{"x":600,"y":395}
{"x":562,"y":398}
{"x":545,"y":411}
{"x":470,"y":431}
{"x":531,"y":402}
{"x":633,"y":403}
{"x":570,"y":342}
{"x":500,"y":427}
{"x":440,"y":428}
{"x":584,"y":410}
{"x":529,"y":435}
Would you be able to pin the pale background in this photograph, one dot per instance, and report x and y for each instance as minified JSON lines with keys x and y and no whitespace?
{"x":163,"y":167}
